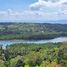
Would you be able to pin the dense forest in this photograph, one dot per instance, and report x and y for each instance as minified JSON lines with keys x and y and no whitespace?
{"x":34,"y":55}
{"x":32,"y":31}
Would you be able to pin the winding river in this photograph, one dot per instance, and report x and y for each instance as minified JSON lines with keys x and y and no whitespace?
{"x":55,"y":40}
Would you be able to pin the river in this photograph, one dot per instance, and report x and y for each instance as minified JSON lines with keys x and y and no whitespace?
{"x":55,"y":40}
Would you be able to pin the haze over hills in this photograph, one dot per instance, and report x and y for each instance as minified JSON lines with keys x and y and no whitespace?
{"x":37,"y":21}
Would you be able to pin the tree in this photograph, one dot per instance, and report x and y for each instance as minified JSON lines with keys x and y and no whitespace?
{"x":20,"y":63}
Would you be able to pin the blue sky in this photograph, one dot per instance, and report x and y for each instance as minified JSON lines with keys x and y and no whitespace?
{"x":15,"y":4}
{"x":33,"y":10}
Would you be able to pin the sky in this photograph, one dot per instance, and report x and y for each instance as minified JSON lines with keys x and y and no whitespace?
{"x":33,"y":10}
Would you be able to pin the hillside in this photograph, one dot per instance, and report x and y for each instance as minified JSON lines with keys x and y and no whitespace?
{"x":32,"y":30}
{"x":34,"y":55}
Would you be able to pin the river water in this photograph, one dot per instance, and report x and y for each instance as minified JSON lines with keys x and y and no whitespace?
{"x":55,"y":40}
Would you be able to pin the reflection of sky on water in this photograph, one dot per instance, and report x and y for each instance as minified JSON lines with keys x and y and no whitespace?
{"x":8,"y":42}
{"x":60,"y":39}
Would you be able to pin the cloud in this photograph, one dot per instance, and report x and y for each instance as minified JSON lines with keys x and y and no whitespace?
{"x":32,"y":15}
{"x":41,"y":10}
{"x":50,"y":9}
{"x":48,"y":4}
{"x":10,"y":13}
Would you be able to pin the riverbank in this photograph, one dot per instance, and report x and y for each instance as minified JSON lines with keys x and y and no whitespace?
{"x":31,"y":31}
{"x":33,"y":36}
{"x":55,"y":40}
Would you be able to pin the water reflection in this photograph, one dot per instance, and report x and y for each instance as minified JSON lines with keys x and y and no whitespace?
{"x":55,"y":40}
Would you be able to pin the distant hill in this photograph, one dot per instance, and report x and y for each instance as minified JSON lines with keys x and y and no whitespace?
{"x":32,"y":30}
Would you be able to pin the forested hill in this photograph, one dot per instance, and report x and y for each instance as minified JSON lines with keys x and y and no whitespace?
{"x":33,"y":27}
{"x":32,"y":30}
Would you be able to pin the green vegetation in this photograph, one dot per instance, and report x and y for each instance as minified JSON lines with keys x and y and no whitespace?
{"x":31,"y":31}
{"x":34,"y":55}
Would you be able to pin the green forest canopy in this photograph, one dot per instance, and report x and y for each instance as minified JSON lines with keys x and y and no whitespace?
{"x":34,"y":55}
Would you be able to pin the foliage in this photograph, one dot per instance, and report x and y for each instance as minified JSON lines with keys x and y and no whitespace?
{"x":34,"y":55}
{"x":31,"y":31}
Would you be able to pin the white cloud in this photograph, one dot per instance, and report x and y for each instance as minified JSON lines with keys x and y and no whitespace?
{"x":10,"y":13}
{"x":65,"y":12}
{"x":42,"y":10}
{"x":50,"y":9}
{"x":48,"y":4}
{"x":32,"y":15}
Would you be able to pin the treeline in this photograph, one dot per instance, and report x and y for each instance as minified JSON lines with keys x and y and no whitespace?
{"x":33,"y":36}
{"x":34,"y":55}
{"x":35,"y":31}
